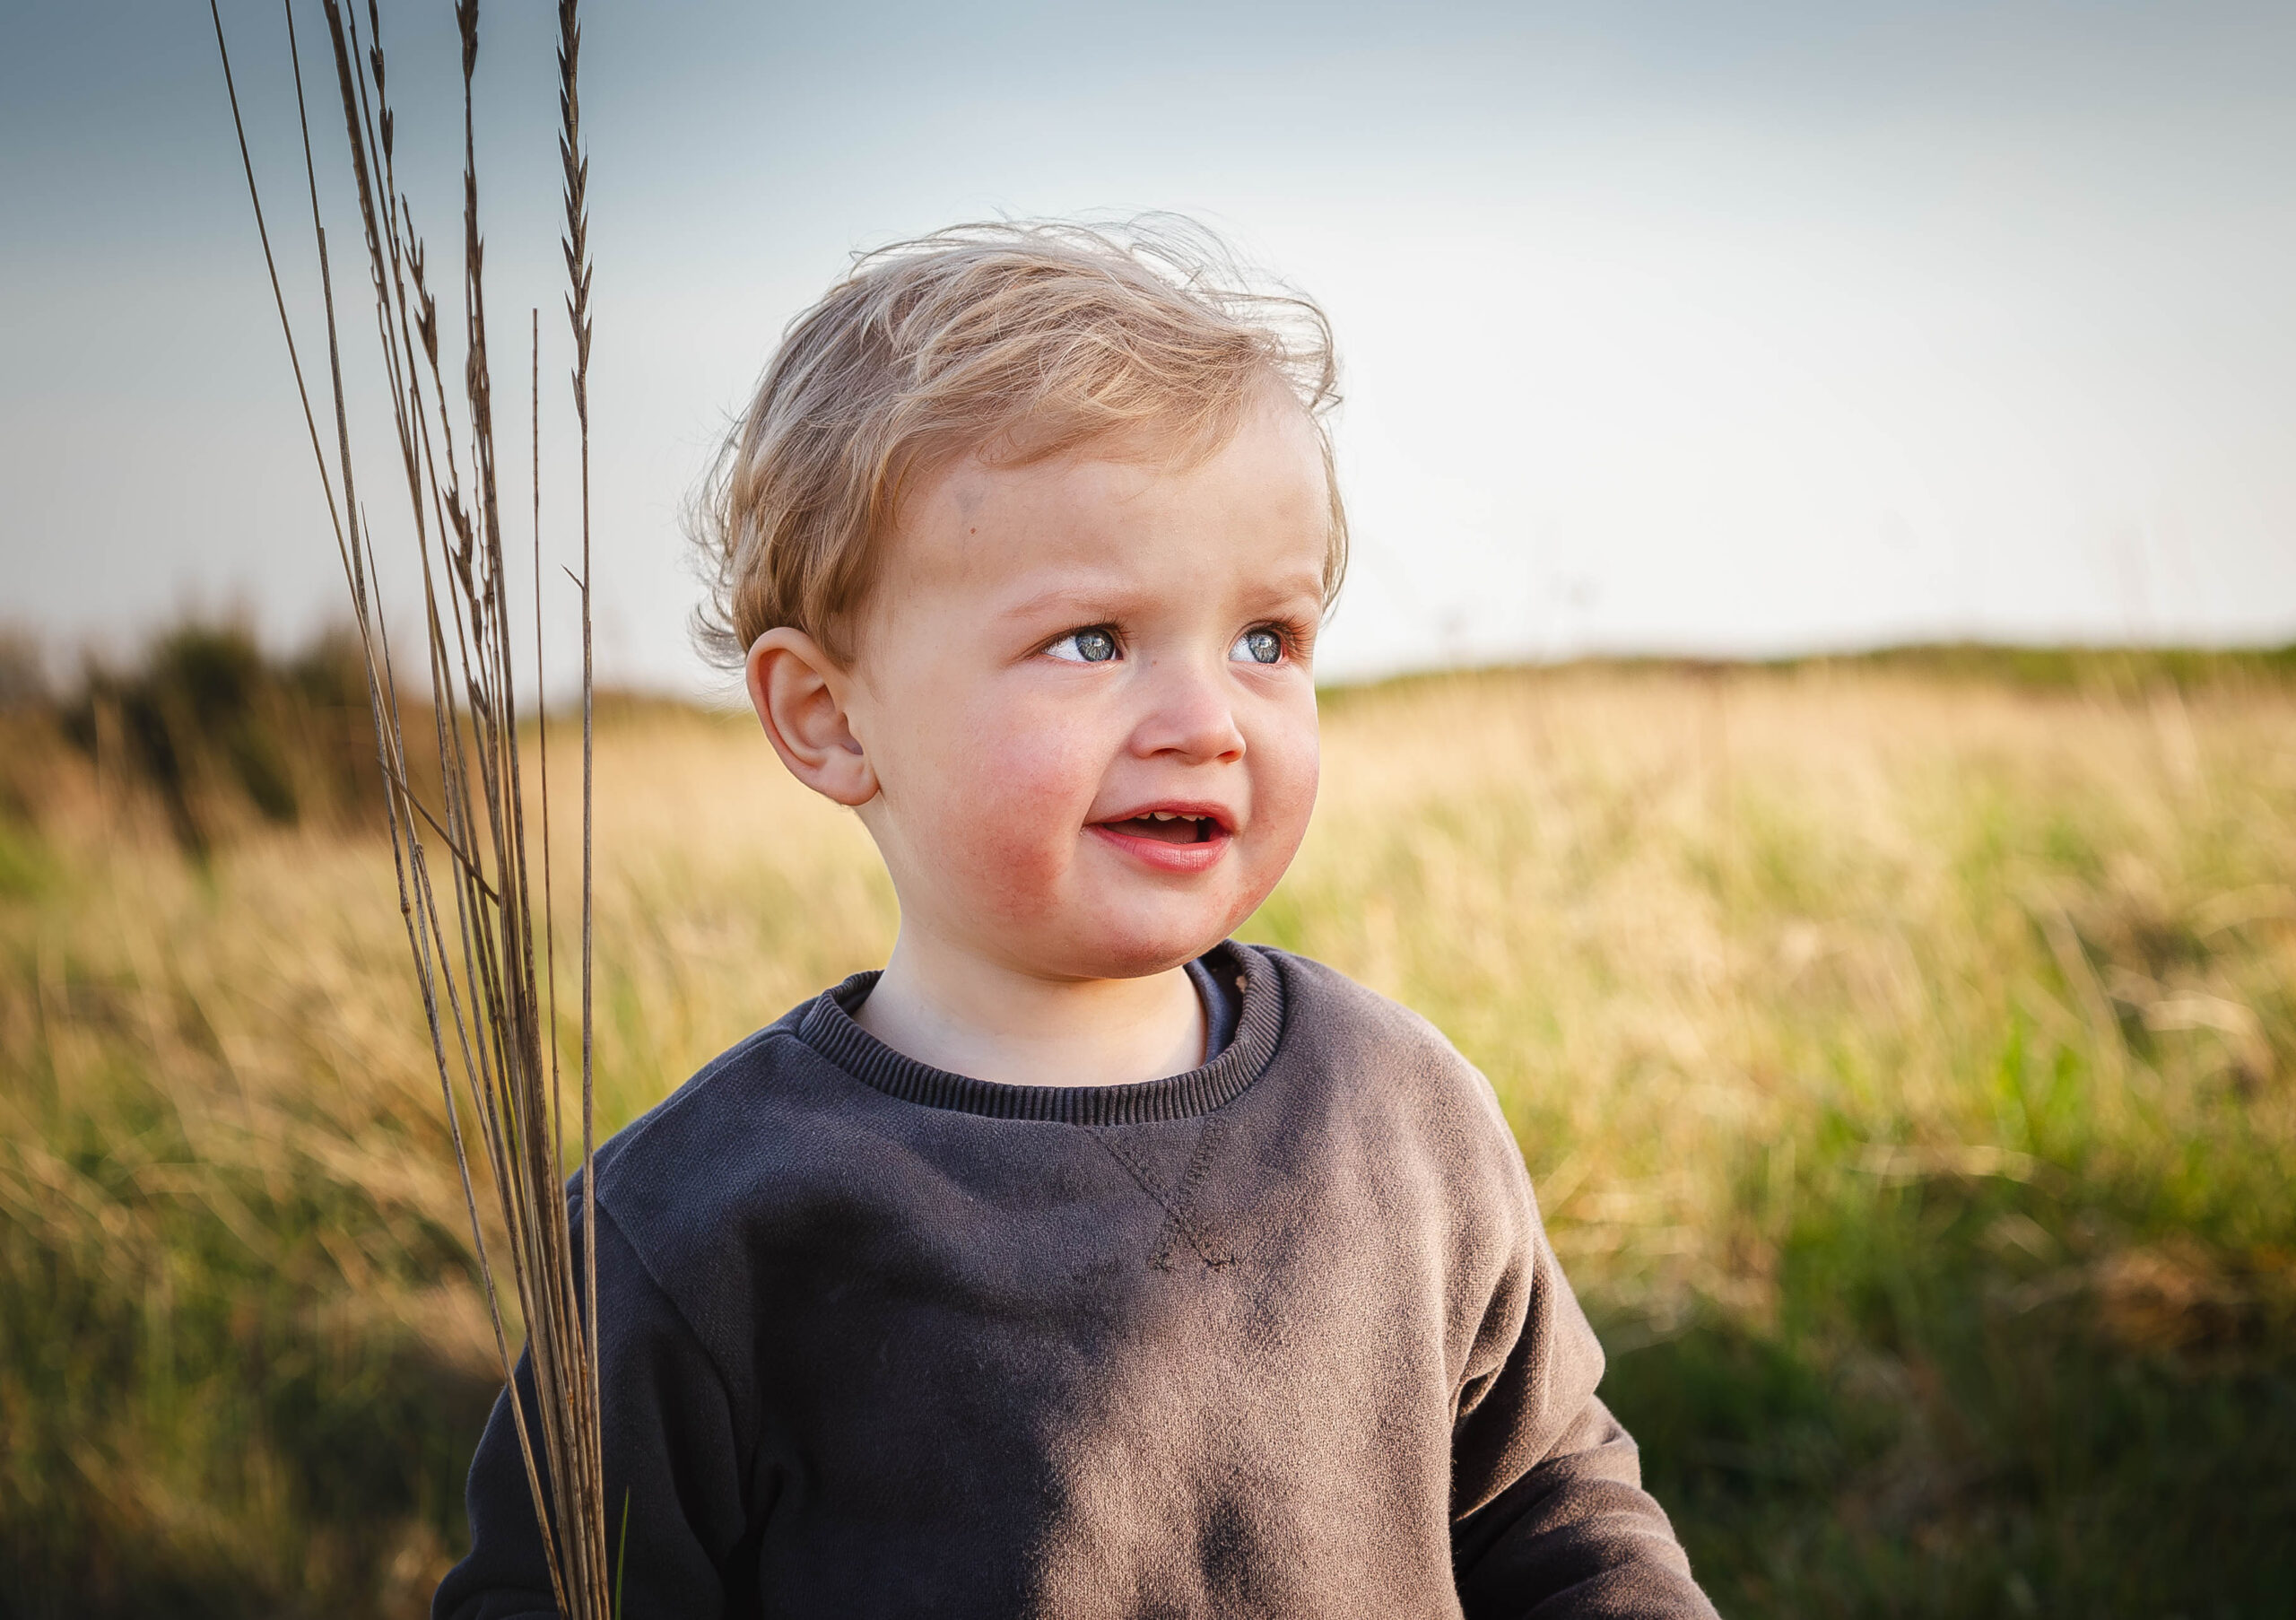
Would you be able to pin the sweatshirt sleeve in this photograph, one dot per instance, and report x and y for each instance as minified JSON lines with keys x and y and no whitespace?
{"x":1550,"y":1516}
{"x":672,"y":1463}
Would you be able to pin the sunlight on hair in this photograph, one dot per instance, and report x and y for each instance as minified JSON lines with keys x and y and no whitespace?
{"x":1014,"y":341}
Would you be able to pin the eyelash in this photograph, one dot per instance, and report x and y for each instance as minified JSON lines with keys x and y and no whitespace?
{"x":1116,"y":642}
{"x":1296,"y":638}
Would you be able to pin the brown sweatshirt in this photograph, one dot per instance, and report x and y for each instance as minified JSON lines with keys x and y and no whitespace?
{"x":1278,"y":1336}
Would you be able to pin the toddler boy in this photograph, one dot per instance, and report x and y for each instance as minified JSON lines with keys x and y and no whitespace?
{"x":1083,"y":1262}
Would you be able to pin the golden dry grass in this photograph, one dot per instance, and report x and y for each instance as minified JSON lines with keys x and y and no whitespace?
{"x":1678,"y":921}
{"x":1905,"y":1063}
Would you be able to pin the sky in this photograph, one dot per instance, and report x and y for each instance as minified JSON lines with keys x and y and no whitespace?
{"x":1684,"y":328}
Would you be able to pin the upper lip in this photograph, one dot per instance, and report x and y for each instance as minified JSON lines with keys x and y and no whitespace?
{"x":1223,"y":818}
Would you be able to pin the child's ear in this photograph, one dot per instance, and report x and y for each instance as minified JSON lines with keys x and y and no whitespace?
{"x":799,"y":694}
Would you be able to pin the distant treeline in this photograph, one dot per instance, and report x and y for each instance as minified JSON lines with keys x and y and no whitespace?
{"x":2123,"y":669}
{"x":222,"y":735}
{"x":2108,"y":672}
{"x":217,"y":732}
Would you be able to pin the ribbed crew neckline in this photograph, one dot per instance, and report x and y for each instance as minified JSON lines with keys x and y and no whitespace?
{"x":828,"y":1027}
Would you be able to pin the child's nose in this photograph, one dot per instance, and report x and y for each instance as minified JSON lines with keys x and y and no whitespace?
{"x":1189,"y":716}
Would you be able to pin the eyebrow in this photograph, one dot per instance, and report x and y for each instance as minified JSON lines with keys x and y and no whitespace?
{"x":1082,"y":598}
{"x":1087,"y":602}
{"x":1302,"y":584}
{"x":1089,"y":593}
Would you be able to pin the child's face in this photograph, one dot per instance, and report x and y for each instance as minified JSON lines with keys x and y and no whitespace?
{"x":1082,"y":687}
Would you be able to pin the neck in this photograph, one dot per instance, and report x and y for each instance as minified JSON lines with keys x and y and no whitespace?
{"x":957,"y":1012}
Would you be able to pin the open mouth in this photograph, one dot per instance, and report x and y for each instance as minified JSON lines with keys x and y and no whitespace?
{"x":1168,"y":827}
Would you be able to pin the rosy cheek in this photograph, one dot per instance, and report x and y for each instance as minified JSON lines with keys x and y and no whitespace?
{"x":1021,"y":785}
{"x":1283,"y":790}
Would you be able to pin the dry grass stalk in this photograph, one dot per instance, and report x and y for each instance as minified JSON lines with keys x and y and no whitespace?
{"x":487,"y":979}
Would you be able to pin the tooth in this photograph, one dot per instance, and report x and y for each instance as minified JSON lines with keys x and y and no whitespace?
{"x":1160,"y":815}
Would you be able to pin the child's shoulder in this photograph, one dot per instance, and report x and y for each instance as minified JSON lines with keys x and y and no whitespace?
{"x":1326,"y":1006}
{"x":769,"y":1119}
{"x":1381,"y":1055}
{"x":727,"y":1128}
{"x":1331,"y":1017}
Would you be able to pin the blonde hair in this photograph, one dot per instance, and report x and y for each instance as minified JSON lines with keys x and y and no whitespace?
{"x":1017,"y":342}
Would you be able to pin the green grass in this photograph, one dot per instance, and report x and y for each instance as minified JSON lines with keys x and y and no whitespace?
{"x":1905,"y":1061}
{"x":1905,"y":1054}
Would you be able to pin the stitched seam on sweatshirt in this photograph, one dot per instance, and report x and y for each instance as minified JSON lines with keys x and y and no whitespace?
{"x":691,"y":1088}
{"x":1183,"y":1211}
{"x":1177,"y":1217}
{"x":827,"y":1028}
{"x":709,"y":1354}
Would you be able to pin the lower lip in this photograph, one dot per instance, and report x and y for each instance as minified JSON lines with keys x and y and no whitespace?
{"x":1163,"y":857}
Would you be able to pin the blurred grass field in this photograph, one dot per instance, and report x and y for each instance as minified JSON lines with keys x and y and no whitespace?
{"x":1904,"y":1049}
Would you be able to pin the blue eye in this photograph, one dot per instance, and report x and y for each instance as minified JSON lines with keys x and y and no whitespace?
{"x":1261,"y":646}
{"x":1095,"y":645}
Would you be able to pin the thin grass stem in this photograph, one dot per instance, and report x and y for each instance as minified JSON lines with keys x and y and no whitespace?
{"x":487,"y":984}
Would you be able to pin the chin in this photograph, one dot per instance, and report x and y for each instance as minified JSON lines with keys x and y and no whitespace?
{"x":1147,"y":946}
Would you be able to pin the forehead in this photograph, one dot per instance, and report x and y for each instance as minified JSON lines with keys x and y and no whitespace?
{"x":1256,"y":504}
